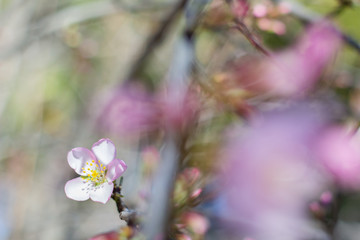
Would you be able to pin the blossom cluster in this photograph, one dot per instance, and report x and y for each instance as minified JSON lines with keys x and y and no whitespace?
{"x":265,"y":148}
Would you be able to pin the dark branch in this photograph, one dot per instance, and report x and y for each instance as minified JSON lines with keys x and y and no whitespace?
{"x":239,"y":25}
{"x":130,"y":216}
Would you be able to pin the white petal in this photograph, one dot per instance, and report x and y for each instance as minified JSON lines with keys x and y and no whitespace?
{"x":115,"y":169}
{"x":102,"y":193}
{"x":78,"y":157}
{"x":76,"y":189}
{"x":104,"y":150}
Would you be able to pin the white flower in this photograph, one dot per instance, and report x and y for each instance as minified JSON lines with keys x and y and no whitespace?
{"x":97,"y":169}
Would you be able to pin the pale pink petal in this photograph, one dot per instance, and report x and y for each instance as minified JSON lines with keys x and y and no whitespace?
{"x":104,"y":150}
{"x":76,"y":189}
{"x":115,"y":169}
{"x":78,"y":157}
{"x":103,"y":193}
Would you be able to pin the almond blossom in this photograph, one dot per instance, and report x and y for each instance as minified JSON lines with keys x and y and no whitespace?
{"x":292,"y":72}
{"x":97,"y":168}
{"x":338,"y":151}
{"x":269,"y":175}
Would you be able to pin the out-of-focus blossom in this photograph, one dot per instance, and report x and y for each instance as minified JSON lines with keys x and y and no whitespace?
{"x":316,"y":209}
{"x":196,"y":193}
{"x":179,"y":110}
{"x":267,"y":17}
{"x":272,"y":25}
{"x":339,"y":152}
{"x":134,"y":112}
{"x":269,"y":175}
{"x":106,"y":236}
{"x":284,"y":8}
{"x":187,"y":186}
{"x":267,"y":9}
{"x":240,"y":8}
{"x":97,"y":169}
{"x":150,"y":156}
{"x":326,"y":197}
{"x":190,"y":175}
{"x":131,"y":111}
{"x":291,"y":72}
{"x":260,"y":10}
{"x":183,"y":237}
{"x":195,"y":222}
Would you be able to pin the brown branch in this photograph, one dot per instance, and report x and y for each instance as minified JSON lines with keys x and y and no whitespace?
{"x":239,"y":25}
{"x":130,"y":216}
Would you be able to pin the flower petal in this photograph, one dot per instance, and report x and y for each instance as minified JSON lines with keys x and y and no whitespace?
{"x":78,"y":157}
{"x":115,"y":169}
{"x":104,"y":150}
{"x":102,"y":193}
{"x":76,"y":189}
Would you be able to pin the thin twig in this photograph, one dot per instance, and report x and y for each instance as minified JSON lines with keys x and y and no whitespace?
{"x":155,"y":40}
{"x":306,"y":16}
{"x":239,"y":25}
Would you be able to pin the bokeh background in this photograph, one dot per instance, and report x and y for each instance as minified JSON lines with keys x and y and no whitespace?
{"x":60,"y":62}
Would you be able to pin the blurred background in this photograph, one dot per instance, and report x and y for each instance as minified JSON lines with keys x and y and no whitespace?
{"x":62,"y":60}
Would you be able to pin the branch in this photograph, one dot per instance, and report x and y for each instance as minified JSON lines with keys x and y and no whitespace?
{"x":239,"y":25}
{"x":156,"y":224}
{"x":148,"y":6}
{"x":306,"y":16}
{"x":130,"y":216}
{"x":58,"y":21}
{"x":159,"y":218}
{"x":155,"y":40}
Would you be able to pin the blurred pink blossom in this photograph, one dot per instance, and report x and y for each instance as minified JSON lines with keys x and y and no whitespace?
{"x":106,"y":236}
{"x":240,"y":8}
{"x":294,"y":71}
{"x":196,"y":193}
{"x":196,"y":222}
{"x":326,"y":197}
{"x":131,"y":111}
{"x":260,"y":10}
{"x":339,"y":152}
{"x":179,"y":110}
{"x":97,"y":169}
{"x":272,"y":25}
{"x":284,"y":7}
{"x":316,"y":209}
{"x":151,"y":157}
{"x":190,"y":175}
{"x":269,"y":175}
{"x":183,"y":237}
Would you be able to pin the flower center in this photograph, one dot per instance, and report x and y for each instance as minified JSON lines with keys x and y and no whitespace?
{"x":95,"y":174}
